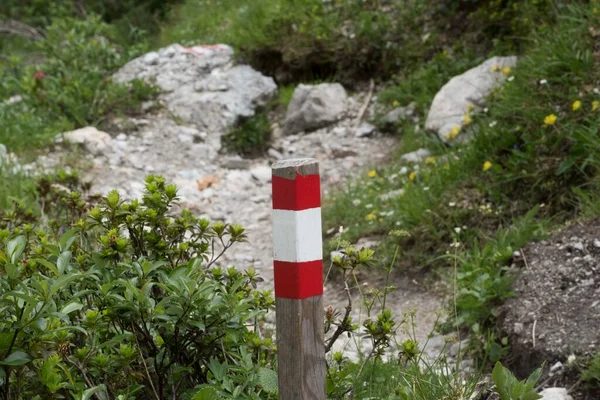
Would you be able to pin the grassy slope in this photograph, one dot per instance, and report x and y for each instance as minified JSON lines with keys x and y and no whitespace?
{"x":539,"y":172}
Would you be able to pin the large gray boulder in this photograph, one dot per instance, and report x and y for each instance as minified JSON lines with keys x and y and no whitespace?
{"x":452,"y":102}
{"x":315,"y":106}
{"x":201,"y":84}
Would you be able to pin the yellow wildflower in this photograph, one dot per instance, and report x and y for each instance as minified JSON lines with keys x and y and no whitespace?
{"x":595,"y":105}
{"x":506,"y":70}
{"x":496,"y":68}
{"x":487,"y":165}
{"x":395,"y":103}
{"x":470,"y":107}
{"x":372,"y":173}
{"x":576,"y":105}
{"x":453,"y":133}
{"x":371,"y":216}
{"x":550,"y":119}
{"x":430,"y":161}
{"x":412,"y":175}
{"x":467,"y":119}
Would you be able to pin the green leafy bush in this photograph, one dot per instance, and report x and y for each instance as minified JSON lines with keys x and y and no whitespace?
{"x":71,"y":87}
{"x":125,"y":300}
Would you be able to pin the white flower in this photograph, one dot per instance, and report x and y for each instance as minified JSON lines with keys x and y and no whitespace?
{"x":457,"y":229}
{"x":596,"y":90}
{"x":452,"y":204}
{"x":511,"y":78}
{"x":571,"y":359}
{"x":485,"y":110}
{"x":426,"y":188}
{"x":543,"y":81}
{"x":403,"y":170}
{"x":493,"y":124}
{"x":356,"y":202}
{"x":369,"y":206}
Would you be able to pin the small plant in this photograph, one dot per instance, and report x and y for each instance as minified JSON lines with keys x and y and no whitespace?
{"x":591,"y":374}
{"x":250,"y":137}
{"x":510,"y":388}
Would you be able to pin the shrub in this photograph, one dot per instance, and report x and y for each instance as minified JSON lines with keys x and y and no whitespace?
{"x":71,"y":87}
{"x":126,"y":301}
{"x":250,"y":137}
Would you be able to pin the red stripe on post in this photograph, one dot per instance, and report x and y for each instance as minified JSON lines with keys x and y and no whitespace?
{"x":298,"y":194}
{"x":301,"y":280}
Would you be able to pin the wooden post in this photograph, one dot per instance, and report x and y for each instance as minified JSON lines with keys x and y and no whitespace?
{"x":298,"y":263}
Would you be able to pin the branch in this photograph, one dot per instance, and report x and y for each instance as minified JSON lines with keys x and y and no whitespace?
{"x":12,"y":27}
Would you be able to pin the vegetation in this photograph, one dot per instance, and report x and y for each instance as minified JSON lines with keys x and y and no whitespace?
{"x":110,"y":299}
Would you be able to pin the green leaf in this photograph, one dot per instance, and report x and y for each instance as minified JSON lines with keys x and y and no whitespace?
{"x":15,"y":248}
{"x":73,"y":306}
{"x":16,"y":358}
{"x":48,"y":265}
{"x":62,"y":282}
{"x":92,"y":391}
{"x":63,"y":261}
{"x":206,"y":393}
{"x":67,"y":239}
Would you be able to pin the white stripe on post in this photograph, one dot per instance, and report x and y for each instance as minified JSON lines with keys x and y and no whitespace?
{"x":297,"y":235}
{"x":298,"y":264}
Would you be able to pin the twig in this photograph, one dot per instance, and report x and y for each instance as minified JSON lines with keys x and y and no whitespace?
{"x":364,"y":107}
{"x":340,"y":329}
{"x":533,"y":332}
{"x":145,"y":365}
{"x":524,"y":259}
{"x":12,"y":27}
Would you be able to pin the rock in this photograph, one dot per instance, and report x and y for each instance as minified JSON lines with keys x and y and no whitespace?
{"x":235,"y":162}
{"x":415,"y":157}
{"x":93,"y":140}
{"x":366,"y":129}
{"x":201,"y":84}
{"x":315,"y":106}
{"x":451,"y":103}
{"x":597,"y":243}
{"x":398,"y":114}
{"x":274,"y":154}
{"x":262,"y":174}
{"x":207,"y":181}
{"x":552,"y":316}
{"x":555,"y":394}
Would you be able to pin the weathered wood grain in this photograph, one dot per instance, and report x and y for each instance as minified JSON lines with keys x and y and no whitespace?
{"x":301,"y":348}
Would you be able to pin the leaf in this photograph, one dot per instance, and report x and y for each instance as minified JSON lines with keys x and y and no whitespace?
{"x":15,"y":248}
{"x":206,"y":393}
{"x":92,"y":391}
{"x":62,"y":282}
{"x":73,"y":306}
{"x":47,"y":264}
{"x":16,"y":358}
{"x":67,"y":239}
{"x":63,"y":261}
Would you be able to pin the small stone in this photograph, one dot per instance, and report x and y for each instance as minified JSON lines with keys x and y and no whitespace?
{"x":151,"y":58}
{"x":261,"y":174}
{"x":597,"y":243}
{"x":274,"y":154}
{"x":518,"y":328}
{"x":121,"y":137}
{"x":579,"y":246}
{"x":399,"y":113}
{"x":365,"y":130}
{"x":417,"y":156}
{"x":556,"y":367}
{"x":93,"y":140}
{"x":555,"y":394}
{"x":235,"y":163}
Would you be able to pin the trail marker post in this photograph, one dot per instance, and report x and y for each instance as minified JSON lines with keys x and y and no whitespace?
{"x":298,"y":264}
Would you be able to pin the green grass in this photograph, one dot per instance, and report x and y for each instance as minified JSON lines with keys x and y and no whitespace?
{"x":452,"y":199}
{"x":16,"y":188}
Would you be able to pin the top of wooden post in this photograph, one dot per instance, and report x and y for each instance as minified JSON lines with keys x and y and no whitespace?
{"x":288,"y":169}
